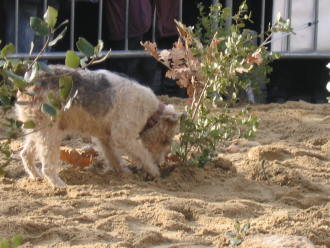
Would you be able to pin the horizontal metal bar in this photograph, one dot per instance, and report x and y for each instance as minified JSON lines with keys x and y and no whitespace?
{"x":61,"y":55}
{"x":305,"y":55}
{"x":138,"y":54}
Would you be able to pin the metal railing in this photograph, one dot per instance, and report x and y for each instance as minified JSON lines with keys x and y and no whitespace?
{"x":126,"y":53}
{"x":134,"y":53}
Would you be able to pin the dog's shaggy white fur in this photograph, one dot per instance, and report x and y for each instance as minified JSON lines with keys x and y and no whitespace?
{"x":112,"y":109}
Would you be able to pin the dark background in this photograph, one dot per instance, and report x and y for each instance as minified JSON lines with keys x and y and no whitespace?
{"x":291,"y":79}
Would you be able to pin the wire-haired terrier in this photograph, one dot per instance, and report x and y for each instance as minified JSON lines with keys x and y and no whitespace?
{"x":122,"y":116}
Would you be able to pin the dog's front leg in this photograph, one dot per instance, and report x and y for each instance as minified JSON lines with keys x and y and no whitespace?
{"x":134,"y":148}
{"x":48,"y":149}
{"x":107,"y":149}
{"x":28,"y":157}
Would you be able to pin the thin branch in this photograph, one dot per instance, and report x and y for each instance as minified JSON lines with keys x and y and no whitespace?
{"x":199,"y":101}
{"x":40,"y":53}
{"x":24,"y":134}
{"x":101,"y":59}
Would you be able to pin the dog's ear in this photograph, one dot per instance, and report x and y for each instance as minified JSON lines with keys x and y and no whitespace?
{"x":170,"y":114}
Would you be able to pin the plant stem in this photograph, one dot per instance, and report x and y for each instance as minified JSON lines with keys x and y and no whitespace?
{"x":23,"y":135}
{"x":40,"y":53}
{"x":199,"y":101}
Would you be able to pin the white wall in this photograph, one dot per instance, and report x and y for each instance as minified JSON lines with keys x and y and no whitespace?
{"x":303,"y":12}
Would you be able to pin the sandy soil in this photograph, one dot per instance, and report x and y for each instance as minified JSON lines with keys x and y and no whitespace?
{"x":279,"y":183}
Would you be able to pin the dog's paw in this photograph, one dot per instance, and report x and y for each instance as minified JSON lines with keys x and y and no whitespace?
{"x":56,"y":182}
{"x":127,"y":170}
{"x":154,"y":171}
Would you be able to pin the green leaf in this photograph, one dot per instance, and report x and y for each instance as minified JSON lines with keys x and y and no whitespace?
{"x":230,"y":234}
{"x":31,"y":48}
{"x":5,"y":100}
{"x":48,"y":109}
{"x":85,"y":47}
{"x":237,"y":226}
{"x":245,"y":228}
{"x":72,"y":59}
{"x":2,"y":174}
{"x":58,"y":37}
{"x":44,"y":67}
{"x":99,"y":47}
{"x":235,"y":241}
{"x":65,"y":86}
{"x":33,"y":73}
{"x":8,"y":49}
{"x":16,"y":241}
{"x":19,"y":82}
{"x":2,"y":63}
{"x":6,"y":152}
{"x":226,"y":12}
{"x":62,"y":24}
{"x":54,"y":100}
{"x":29,"y":125}
{"x":22,"y":102}
{"x":39,"y":26}
{"x":50,"y":16}
{"x":83,"y":61}
{"x":4,"y":243}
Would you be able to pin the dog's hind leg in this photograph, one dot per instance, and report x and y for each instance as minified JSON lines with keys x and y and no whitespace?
{"x":48,"y":150}
{"x":28,"y":157}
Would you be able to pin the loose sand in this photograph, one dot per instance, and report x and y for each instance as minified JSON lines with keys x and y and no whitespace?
{"x":279,"y":183}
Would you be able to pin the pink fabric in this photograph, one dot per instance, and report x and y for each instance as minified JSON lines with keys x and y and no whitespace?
{"x":140,"y":17}
{"x":167,"y":11}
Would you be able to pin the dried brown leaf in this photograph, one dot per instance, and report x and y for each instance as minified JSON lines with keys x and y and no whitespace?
{"x":216,"y":41}
{"x":151,"y":47}
{"x":79,"y":159}
{"x":171,"y":74}
{"x":183,"y":32}
{"x":165,"y":57}
{"x":178,"y":44}
{"x":243,"y":69}
{"x":255,"y":58}
{"x":190,"y":91}
{"x":178,"y":55}
{"x":183,"y":82}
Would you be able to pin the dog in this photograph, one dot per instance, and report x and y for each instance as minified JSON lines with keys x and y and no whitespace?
{"x":121,"y":116}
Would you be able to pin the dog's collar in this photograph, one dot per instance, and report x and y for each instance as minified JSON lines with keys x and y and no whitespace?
{"x":154,"y":119}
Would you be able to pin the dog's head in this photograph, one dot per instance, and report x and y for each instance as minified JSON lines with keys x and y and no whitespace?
{"x":158,"y":139}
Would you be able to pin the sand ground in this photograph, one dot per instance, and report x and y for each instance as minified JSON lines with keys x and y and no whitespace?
{"x":279,"y":183}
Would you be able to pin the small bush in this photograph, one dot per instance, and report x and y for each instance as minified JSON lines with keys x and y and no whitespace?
{"x":214,"y":65}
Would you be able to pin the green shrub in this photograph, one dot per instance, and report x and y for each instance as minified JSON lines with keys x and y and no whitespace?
{"x":215,"y":64}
